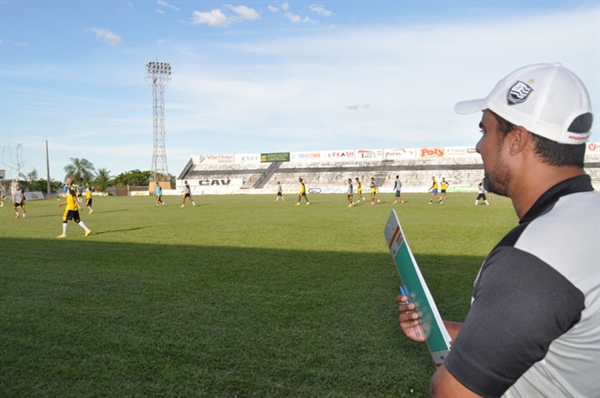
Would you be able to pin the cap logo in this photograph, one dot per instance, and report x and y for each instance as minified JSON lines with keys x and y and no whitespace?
{"x":518,"y":93}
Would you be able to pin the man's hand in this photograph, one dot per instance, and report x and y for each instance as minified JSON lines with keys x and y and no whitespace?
{"x":409,"y":319}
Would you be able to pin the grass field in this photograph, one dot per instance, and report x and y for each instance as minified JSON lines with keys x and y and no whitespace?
{"x":236,"y":297}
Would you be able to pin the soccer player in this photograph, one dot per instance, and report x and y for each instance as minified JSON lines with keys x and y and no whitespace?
{"x":374,"y":191}
{"x":159,"y":195}
{"x":434,"y":191}
{"x":350,"y":192}
{"x":279,"y":192}
{"x":444,"y":186}
{"x":398,"y":189}
{"x":187,"y":193}
{"x":302,"y":192}
{"x":2,"y":196}
{"x":88,"y":197}
{"x":79,"y":193}
{"x":19,"y":201}
{"x":481,"y":195}
{"x":72,"y":210}
{"x":359,"y":190}
{"x":532,"y":328}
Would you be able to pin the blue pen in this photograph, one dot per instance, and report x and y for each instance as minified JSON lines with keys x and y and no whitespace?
{"x":404,"y":292}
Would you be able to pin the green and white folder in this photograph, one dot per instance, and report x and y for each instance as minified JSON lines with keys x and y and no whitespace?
{"x":413,"y":283}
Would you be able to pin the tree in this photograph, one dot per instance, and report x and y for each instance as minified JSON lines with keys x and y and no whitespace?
{"x":28,"y":179}
{"x":33,"y":176}
{"x":32,"y":182}
{"x":79,"y":170}
{"x":133,"y":178}
{"x":103,"y":179}
{"x":42,"y":186}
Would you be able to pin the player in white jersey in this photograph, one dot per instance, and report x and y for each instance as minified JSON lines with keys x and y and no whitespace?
{"x":18,"y":198}
{"x":398,"y":190}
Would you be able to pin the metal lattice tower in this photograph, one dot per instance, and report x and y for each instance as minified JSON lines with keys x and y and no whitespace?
{"x":158,"y":75}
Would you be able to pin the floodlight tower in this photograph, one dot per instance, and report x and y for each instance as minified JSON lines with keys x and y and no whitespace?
{"x":158,"y":75}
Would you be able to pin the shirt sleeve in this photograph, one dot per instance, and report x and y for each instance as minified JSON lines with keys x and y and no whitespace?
{"x":520,"y":305}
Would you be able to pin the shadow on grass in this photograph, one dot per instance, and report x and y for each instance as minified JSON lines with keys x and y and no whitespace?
{"x":110,"y":211}
{"x":112,"y":231}
{"x":110,"y":319}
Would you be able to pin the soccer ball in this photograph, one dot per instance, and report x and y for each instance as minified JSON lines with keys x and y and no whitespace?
{"x":378,"y":201}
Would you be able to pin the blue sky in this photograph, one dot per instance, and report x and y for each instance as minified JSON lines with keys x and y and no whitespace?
{"x":266,"y":76}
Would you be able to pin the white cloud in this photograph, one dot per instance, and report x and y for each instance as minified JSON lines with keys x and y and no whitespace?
{"x":297,"y":18}
{"x":272,"y":8}
{"x":108,"y":36}
{"x":168,"y":5}
{"x":126,"y":8}
{"x":245,"y":13}
{"x":319,"y":9}
{"x":214,"y":18}
{"x":159,"y":11}
{"x":358,"y":106}
{"x":217,"y":18}
{"x":285,"y":6}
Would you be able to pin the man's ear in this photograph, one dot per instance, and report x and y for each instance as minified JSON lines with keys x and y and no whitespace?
{"x":518,"y":139}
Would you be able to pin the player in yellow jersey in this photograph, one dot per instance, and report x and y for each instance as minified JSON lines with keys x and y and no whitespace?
{"x":374,"y":191}
{"x":359,"y":189}
{"x":302,"y":192}
{"x":434,"y":191}
{"x":444,"y":185}
{"x":72,"y":210}
{"x":88,"y":197}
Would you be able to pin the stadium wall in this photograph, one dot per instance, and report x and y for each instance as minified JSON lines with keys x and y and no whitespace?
{"x":328,"y":171}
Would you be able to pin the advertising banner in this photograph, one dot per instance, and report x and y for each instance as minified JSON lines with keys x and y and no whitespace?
{"x":340,"y":155}
{"x":275,"y":157}
{"x":400,"y":153}
{"x":247,"y":158}
{"x":461,"y":151}
{"x":433,"y":152}
{"x":592,"y":151}
{"x":305,"y":156}
{"x":369,"y":154}
{"x":35,"y":195}
{"x":215,"y":159}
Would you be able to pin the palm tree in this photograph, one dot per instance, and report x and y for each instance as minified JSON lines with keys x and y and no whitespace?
{"x":103,"y":174}
{"x":102,"y":180}
{"x":80,"y":170}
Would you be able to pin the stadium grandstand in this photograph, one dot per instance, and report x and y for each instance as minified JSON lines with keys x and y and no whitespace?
{"x":328,"y":171}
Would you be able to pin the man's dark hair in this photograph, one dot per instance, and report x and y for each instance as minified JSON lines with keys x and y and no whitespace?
{"x":556,"y":154}
{"x":504,"y":125}
{"x":552,"y":152}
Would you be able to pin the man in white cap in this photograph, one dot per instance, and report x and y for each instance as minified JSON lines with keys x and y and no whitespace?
{"x":532,"y":329}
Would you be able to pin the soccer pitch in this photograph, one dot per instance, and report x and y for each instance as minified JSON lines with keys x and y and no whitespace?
{"x":239,"y":296}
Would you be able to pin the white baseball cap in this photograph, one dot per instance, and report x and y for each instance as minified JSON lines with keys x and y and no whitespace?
{"x":543,"y":98}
